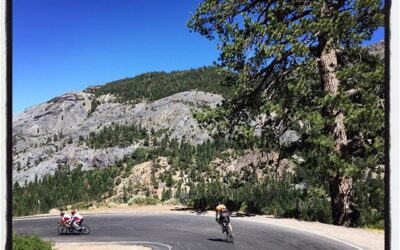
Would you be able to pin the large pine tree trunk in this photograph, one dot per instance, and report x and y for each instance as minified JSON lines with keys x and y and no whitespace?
{"x":327,"y":66}
{"x":336,"y":198}
{"x":340,"y":187}
{"x":341,"y":198}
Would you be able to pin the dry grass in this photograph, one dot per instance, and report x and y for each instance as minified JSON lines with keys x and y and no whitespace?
{"x":375,"y":230}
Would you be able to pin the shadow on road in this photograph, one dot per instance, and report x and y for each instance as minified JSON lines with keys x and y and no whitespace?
{"x":240,"y":214}
{"x":184,"y":209}
{"x":73,"y":233}
{"x":201,"y":212}
{"x":218,"y":240}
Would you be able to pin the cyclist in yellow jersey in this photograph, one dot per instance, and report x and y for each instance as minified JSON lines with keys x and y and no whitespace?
{"x":222,"y":212}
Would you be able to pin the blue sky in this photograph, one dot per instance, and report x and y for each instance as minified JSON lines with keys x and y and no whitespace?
{"x":66,"y":45}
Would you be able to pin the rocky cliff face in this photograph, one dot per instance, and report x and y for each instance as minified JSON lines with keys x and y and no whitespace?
{"x":49,"y":134}
{"x":378,"y":49}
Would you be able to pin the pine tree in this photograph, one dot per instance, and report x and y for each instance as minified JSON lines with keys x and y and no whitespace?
{"x":169,"y":181}
{"x":125,"y":195}
{"x":283,"y":50}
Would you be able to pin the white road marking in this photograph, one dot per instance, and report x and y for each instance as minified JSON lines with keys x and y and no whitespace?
{"x":35,"y":217}
{"x":151,"y":243}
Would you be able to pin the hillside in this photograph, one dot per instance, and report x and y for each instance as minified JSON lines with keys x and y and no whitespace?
{"x":53,"y":133}
{"x":156,"y":85}
{"x":122,"y":143}
{"x":137,"y":141}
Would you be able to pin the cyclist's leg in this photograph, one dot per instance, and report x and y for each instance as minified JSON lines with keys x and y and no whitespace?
{"x":218,"y":219}
{"x":221,"y":222}
{"x":226,"y":222}
{"x":80,"y":225}
{"x":74,"y":224}
{"x":230,"y":225}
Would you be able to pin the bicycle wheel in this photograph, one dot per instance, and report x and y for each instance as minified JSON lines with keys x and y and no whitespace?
{"x":61,"y":229}
{"x":85,"y":229}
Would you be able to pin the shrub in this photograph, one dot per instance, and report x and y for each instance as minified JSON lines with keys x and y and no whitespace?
{"x":171,"y":201}
{"x":142,"y":200}
{"x":112,"y":204}
{"x":372,"y":219}
{"x":166,"y":194}
{"x":30,"y":242}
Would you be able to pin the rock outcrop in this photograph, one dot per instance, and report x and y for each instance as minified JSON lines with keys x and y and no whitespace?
{"x":51,"y":133}
{"x":378,"y":49}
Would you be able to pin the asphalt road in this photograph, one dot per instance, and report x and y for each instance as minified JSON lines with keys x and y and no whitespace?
{"x":171,"y":231}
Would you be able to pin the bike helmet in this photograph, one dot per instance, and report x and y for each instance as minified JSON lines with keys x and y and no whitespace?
{"x":73,"y":211}
{"x":62,"y":213}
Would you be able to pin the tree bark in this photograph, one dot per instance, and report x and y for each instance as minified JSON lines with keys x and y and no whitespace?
{"x":340,"y":132}
{"x":327,"y":66}
{"x":340,"y":187}
{"x":341,"y":198}
{"x":336,"y":204}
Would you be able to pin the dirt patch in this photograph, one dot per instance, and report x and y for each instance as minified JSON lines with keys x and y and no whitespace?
{"x":85,"y":246}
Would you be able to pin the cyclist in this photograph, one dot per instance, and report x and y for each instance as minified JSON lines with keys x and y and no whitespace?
{"x":65,"y":219}
{"x":221,"y":214}
{"x":76,"y":220}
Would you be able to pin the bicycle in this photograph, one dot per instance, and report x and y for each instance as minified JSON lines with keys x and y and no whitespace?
{"x":226,"y":230}
{"x":68,"y":229}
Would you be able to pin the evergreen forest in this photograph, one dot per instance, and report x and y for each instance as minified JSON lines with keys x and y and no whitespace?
{"x":156,"y":85}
